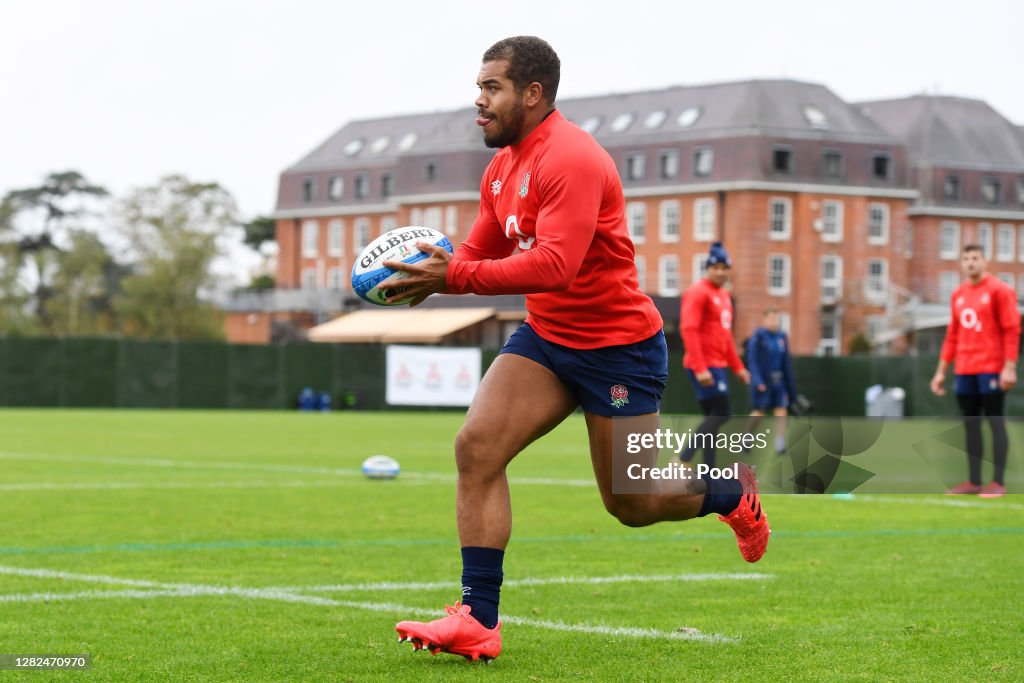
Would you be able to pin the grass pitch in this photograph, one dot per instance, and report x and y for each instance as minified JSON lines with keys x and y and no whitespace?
{"x":246,"y":546}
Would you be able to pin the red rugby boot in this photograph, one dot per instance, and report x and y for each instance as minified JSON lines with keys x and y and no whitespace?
{"x":748,"y":520}
{"x":964,"y":488}
{"x":457,"y":634}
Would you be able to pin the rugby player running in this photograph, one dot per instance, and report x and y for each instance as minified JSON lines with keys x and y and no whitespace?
{"x":551,"y":225}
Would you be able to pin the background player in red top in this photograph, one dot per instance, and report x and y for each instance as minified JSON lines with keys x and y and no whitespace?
{"x":705,"y":319}
{"x":552,"y":226}
{"x":982,"y":340}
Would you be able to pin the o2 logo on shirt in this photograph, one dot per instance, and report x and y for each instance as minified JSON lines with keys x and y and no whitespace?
{"x":512,"y":232}
{"x":969,"y":320}
{"x":726,"y":318}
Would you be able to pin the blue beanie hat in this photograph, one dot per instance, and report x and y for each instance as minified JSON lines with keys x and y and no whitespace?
{"x":718,"y":254}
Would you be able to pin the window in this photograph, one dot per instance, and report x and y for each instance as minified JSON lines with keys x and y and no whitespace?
{"x":361,"y":235}
{"x":362,"y":186}
{"x":669,"y":224}
{"x":387,"y":224}
{"x":778,"y":274}
{"x":881,"y":166}
{"x":908,"y":240}
{"x":432,"y":217}
{"x":635,"y":166}
{"x":1004,"y":242}
{"x":1020,"y":190}
{"x":832,"y":164}
{"x":636,"y":221}
{"x":949,"y":280}
{"x":704,"y":219}
{"x":815,"y":116}
{"x":832,"y":221}
{"x":407,"y":141}
{"x":985,"y":239}
{"x":784,"y":324}
{"x":1020,"y":288}
{"x":876,"y":285}
{"x":782,"y":160}
{"x":655,"y":118}
{"x":451,"y":220}
{"x":308,"y":190}
{"x":335,"y":187}
{"x":430,"y":171}
{"x":380,"y":144}
{"x":641,"y":271}
{"x":700,"y":262}
{"x":991,"y":189}
{"x":878,"y":223}
{"x":310,"y":239}
{"x":387,"y":185}
{"x":949,"y":240}
{"x":1008,"y":279}
{"x":780,"y":211}
{"x":1020,"y":244}
{"x":831,"y":279}
{"x":416,"y":216}
{"x":353,"y":147}
{"x":951,"y":188}
{"x":334,"y":280}
{"x":309,"y":278}
{"x":668,"y":163}
{"x":591,"y":124}
{"x":668,"y":275}
{"x":622,"y":122}
{"x":703,"y":161}
{"x":335,"y":237}
{"x":688,"y":117}
{"x":831,"y":334}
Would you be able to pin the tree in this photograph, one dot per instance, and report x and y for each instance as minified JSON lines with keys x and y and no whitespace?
{"x":259,"y":230}
{"x":84,"y":286}
{"x":172,"y":230}
{"x":52,"y":208}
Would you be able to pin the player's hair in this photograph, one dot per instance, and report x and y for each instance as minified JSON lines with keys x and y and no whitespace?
{"x":974,"y":247}
{"x":530,"y":60}
{"x":770,"y":311}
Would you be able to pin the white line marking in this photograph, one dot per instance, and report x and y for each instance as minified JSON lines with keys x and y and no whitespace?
{"x":294,"y":469}
{"x":134,"y":485}
{"x":539,"y":581}
{"x":176,"y":590}
{"x":951,"y":501}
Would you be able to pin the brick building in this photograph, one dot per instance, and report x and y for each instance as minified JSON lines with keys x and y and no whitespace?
{"x":835,"y":213}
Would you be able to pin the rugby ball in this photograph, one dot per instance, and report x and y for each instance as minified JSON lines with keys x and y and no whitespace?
{"x":395,"y":245}
{"x":380,"y":467}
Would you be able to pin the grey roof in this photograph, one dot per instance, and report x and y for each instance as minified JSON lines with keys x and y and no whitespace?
{"x":765,"y":107}
{"x":955,"y":131}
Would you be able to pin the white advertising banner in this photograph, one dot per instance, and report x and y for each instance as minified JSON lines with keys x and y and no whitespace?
{"x":431,"y":376}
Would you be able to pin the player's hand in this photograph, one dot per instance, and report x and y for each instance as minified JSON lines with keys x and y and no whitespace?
{"x":1008,"y":378}
{"x":937,"y":384}
{"x":424,"y":278}
{"x":705,"y":378}
{"x":744,"y":375}
{"x":761,"y":388}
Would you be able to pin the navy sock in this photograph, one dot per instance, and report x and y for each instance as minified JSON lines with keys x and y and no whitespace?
{"x":722,"y":496}
{"x":481,"y":583}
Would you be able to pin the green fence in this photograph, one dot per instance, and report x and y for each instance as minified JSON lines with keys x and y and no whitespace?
{"x":138,"y":374}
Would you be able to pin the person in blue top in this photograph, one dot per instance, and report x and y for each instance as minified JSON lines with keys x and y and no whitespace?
{"x":771,"y":376}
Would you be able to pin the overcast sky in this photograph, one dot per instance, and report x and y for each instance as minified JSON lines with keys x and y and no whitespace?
{"x":125,"y":91}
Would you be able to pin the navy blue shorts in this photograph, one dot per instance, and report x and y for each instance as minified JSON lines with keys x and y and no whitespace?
{"x":612,"y":381}
{"x":720,"y":387}
{"x":985,"y":383}
{"x":774,"y":396}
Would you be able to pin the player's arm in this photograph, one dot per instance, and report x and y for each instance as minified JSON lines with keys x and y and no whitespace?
{"x":571,"y":188}
{"x":948,"y":353}
{"x":753,"y":365}
{"x":485,"y":241}
{"x":736,"y":363}
{"x":1009,"y":321}
{"x":690,"y":315}
{"x":787,"y":369}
